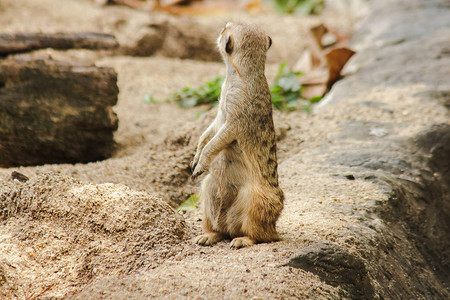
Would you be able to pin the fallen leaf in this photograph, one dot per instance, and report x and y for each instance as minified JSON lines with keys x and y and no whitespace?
{"x":256,"y":6}
{"x":304,"y":63}
{"x":315,"y":77}
{"x":216,"y":7}
{"x":336,"y":60}
{"x":314,"y":83}
{"x":316,"y":35}
{"x":103,"y":2}
{"x":322,"y":66}
{"x":174,"y":2}
{"x":192,"y":7}
{"x":137,"y":4}
{"x":317,"y":32}
{"x":313,"y":91}
{"x":320,"y":80}
{"x":329,"y":40}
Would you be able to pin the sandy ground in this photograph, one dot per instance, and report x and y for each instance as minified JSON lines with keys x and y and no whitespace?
{"x":145,"y":129}
{"x":156,"y":143}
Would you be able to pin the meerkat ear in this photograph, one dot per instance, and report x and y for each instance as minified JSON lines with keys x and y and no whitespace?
{"x":270,"y":42}
{"x":229,"y":45}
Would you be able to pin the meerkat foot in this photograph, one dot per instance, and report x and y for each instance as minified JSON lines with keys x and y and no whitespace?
{"x":241,"y":242}
{"x":209,"y":239}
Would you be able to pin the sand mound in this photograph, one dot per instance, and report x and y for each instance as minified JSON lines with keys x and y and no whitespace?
{"x":72,"y":232}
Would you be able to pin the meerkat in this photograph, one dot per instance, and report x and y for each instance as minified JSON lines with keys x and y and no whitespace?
{"x":240,"y":197}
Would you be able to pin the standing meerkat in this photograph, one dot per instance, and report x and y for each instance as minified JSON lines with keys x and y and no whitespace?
{"x":240,"y":196}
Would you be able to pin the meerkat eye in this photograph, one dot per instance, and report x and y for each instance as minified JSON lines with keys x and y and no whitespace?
{"x":270,"y":42}
{"x":229,"y":45}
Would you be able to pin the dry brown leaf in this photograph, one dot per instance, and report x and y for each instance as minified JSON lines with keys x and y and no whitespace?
{"x":315,"y":44}
{"x":200,"y":8}
{"x":102,"y":2}
{"x":173,"y":2}
{"x":137,"y":4}
{"x":329,"y":40}
{"x":317,"y":33}
{"x":144,"y":4}
{"x":314,"y":83}
{"x":311,"y":91}
{"x":192,"y":7}
{"x":256,"y":6}
{"x":216,"y":7}
{"x":336,"y":60}
{"x":322,"y":67}
{"x":315,"y":77}
{"x":319,"y":81}
{"x":304,"y":63}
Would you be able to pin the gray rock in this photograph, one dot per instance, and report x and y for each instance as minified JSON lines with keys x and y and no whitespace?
{"x":336,"y":266}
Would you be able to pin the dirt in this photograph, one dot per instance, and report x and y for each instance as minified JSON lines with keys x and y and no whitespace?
{"x":79,"y":231}
{"x":148,"y":155}
{"x":104,"y":229}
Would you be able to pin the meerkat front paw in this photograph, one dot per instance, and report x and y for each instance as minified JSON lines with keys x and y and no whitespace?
{"x":241,"y":242}
{"x":208,"y":239}
{"x":198,"y":170}
{"x":194,"y":162}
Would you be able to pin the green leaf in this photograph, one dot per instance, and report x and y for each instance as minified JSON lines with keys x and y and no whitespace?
{"x":285,"y":91}
{"x":206,"y":94}
{"x":289,"y":83}
{"x":149,"y":99}
{"x":281,"y":70}
{"x":292,"y":105}
{"x":188,"y":102}
{"x":292,"y":97}
{"x":299,"y":6}
{"x":189,"y":204}
{"x":200,"y":113}
{"x":315,"y":99}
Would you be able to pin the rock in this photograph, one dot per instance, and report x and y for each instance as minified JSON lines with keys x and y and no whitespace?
{"x":384,"y":45}
{"x":434,"y":141}
{"x":24,"y":42}
{"x":336,"y":266}
{"x":19,"y":177}
{"x":55,"y":112}
{"x":403,"y":241}
{"x":412,"y":228}
{"x":177,"y":37}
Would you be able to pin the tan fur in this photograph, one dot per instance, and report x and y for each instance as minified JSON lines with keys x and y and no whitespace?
{"x":240,"y":196}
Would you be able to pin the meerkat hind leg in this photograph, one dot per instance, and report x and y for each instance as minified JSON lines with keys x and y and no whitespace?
{"x":209,"y":238}
{"x":241,"y":242}
{"x":210,"y":205}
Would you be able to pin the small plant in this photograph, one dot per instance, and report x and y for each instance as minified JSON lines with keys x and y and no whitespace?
{"x":149,"y":99}
{"x":285,"y":91}
{"x":206,"y":94}
{"x":305,"y":7}
{"x":189,"y":204}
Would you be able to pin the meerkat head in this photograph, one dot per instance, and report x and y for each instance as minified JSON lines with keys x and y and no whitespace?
{"x":244,"y":46}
